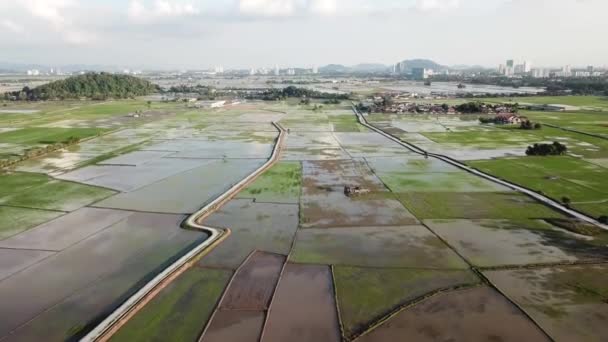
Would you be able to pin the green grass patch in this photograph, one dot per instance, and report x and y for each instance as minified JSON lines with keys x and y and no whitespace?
{"x":180,"y":311}
{"x":366,"y":295}
{"x":582,"y":182}
{"x":282,"y":183}
{"x":475,"y":205}
{"x":346,"y":123}
{"x":44,"y":135}
{"x":16,"y":220}
{"x":40,"y":191}
{"x":438,"y":182}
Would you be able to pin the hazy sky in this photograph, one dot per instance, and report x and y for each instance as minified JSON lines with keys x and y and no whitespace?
{"x":246,"y":33}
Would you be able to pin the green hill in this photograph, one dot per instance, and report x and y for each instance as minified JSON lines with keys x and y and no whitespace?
{"x":96,"y":86}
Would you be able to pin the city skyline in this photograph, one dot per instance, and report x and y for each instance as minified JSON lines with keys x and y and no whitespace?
{"x":301,"y":33}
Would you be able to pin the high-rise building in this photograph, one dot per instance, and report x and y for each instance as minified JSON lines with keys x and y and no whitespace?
{"x":590,"y":68}
{"x":252,"y":71}
{"x":527,"y":66}
{"x":315,"y":69}
{"x":277,"y":71}
{"x":421,"y":73}
{"x":291,"y":72}
{"x":502,"y":69}
{"x":510,"y":63}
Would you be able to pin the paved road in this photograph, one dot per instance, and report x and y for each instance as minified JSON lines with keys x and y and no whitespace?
{"x":543,"y":199}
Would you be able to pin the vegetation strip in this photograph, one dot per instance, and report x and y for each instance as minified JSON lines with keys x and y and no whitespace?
{"x":543,"y":199}
{"x":115,"y":320}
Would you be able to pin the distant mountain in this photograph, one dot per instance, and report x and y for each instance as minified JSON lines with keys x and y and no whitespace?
{"x":356,"y":69}
{"x":409,"y":64}
{"x":370,"y":67}
{"x":334,"y":69}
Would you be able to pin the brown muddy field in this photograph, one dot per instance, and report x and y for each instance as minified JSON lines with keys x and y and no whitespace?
{"x":303,"y":308}
{"x":235,"y":326}
{"x":254,"y":283}
{"x":324,"y":203}
{"x":479,"y":314}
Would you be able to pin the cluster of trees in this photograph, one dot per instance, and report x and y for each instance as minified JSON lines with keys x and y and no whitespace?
{"x":480,"y":107}
{"x":529,"y":125}
{"x":96,"y":86}
{"x":555,"y":149}
{"x":203,"y":92}
{"x":292,"y":91}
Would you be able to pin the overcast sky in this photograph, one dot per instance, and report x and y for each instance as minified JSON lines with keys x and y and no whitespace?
{"x":247,"y":33}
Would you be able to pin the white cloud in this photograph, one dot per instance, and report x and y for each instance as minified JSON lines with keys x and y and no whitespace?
{"x":267,"y":8}
{"x":437,"y":5}
{"x":324,"y":7}
{"x":138,"y":10}
{"x":12,"y":26}
{"x":53,"y":13}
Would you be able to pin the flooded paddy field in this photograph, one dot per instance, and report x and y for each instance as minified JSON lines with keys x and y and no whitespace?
{"x":475,"y":205}
{"x":404,"y":246}
{"x":366,"y":295}
{"x":281,"y":184}
{"x":478,"y":314}
{"x":490,"y":243}
{"x":101,"y":264}
{"x":268,"y":227}
{"x":180,"y":311}
{"x":186,"y":192}
{"x":309,"y":316}
{"x":569,"y":302}
{"x":391,"y":247}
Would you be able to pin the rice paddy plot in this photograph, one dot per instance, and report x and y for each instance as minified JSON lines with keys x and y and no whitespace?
{"x":308,"y":316}
{"x":180,"y":311}
{"x":394,"y":247}
{"x":39,"y":191}
{"x":41,"y":286}
{"x":320,"y":174}
{"x":75,"y":315}
{"x":186,"y":192}
{"x":67,"y":230}
{"x":308,"y":139}
{"x":281,"y":184}
{"x":369,"y":145}
{"x":242,"y":326}
{"x":55,"y":163}
{"x":16,"y":220}
{"x":255,"y":226}
{"x":490,"y":243}
{"x":475,"y":205}
{"x":568,"y":302}
{"x":409,"y":165}
{"x":557,"y":177}
{"x":130,"y":178}
{"x":478,"y":314}
{"x":136,"y":158}
{"x":254,"y":283}
{"x":46,"y":136}
{"x":438,"y":182}
{"x":366,"y":295}
{"x":13,"y":261}
{"x":314,"y":153}
{"x":330,"y":207}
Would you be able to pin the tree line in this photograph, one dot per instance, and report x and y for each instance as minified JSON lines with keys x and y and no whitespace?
{"x":292,"y":91}
{"x":96,"y":86}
